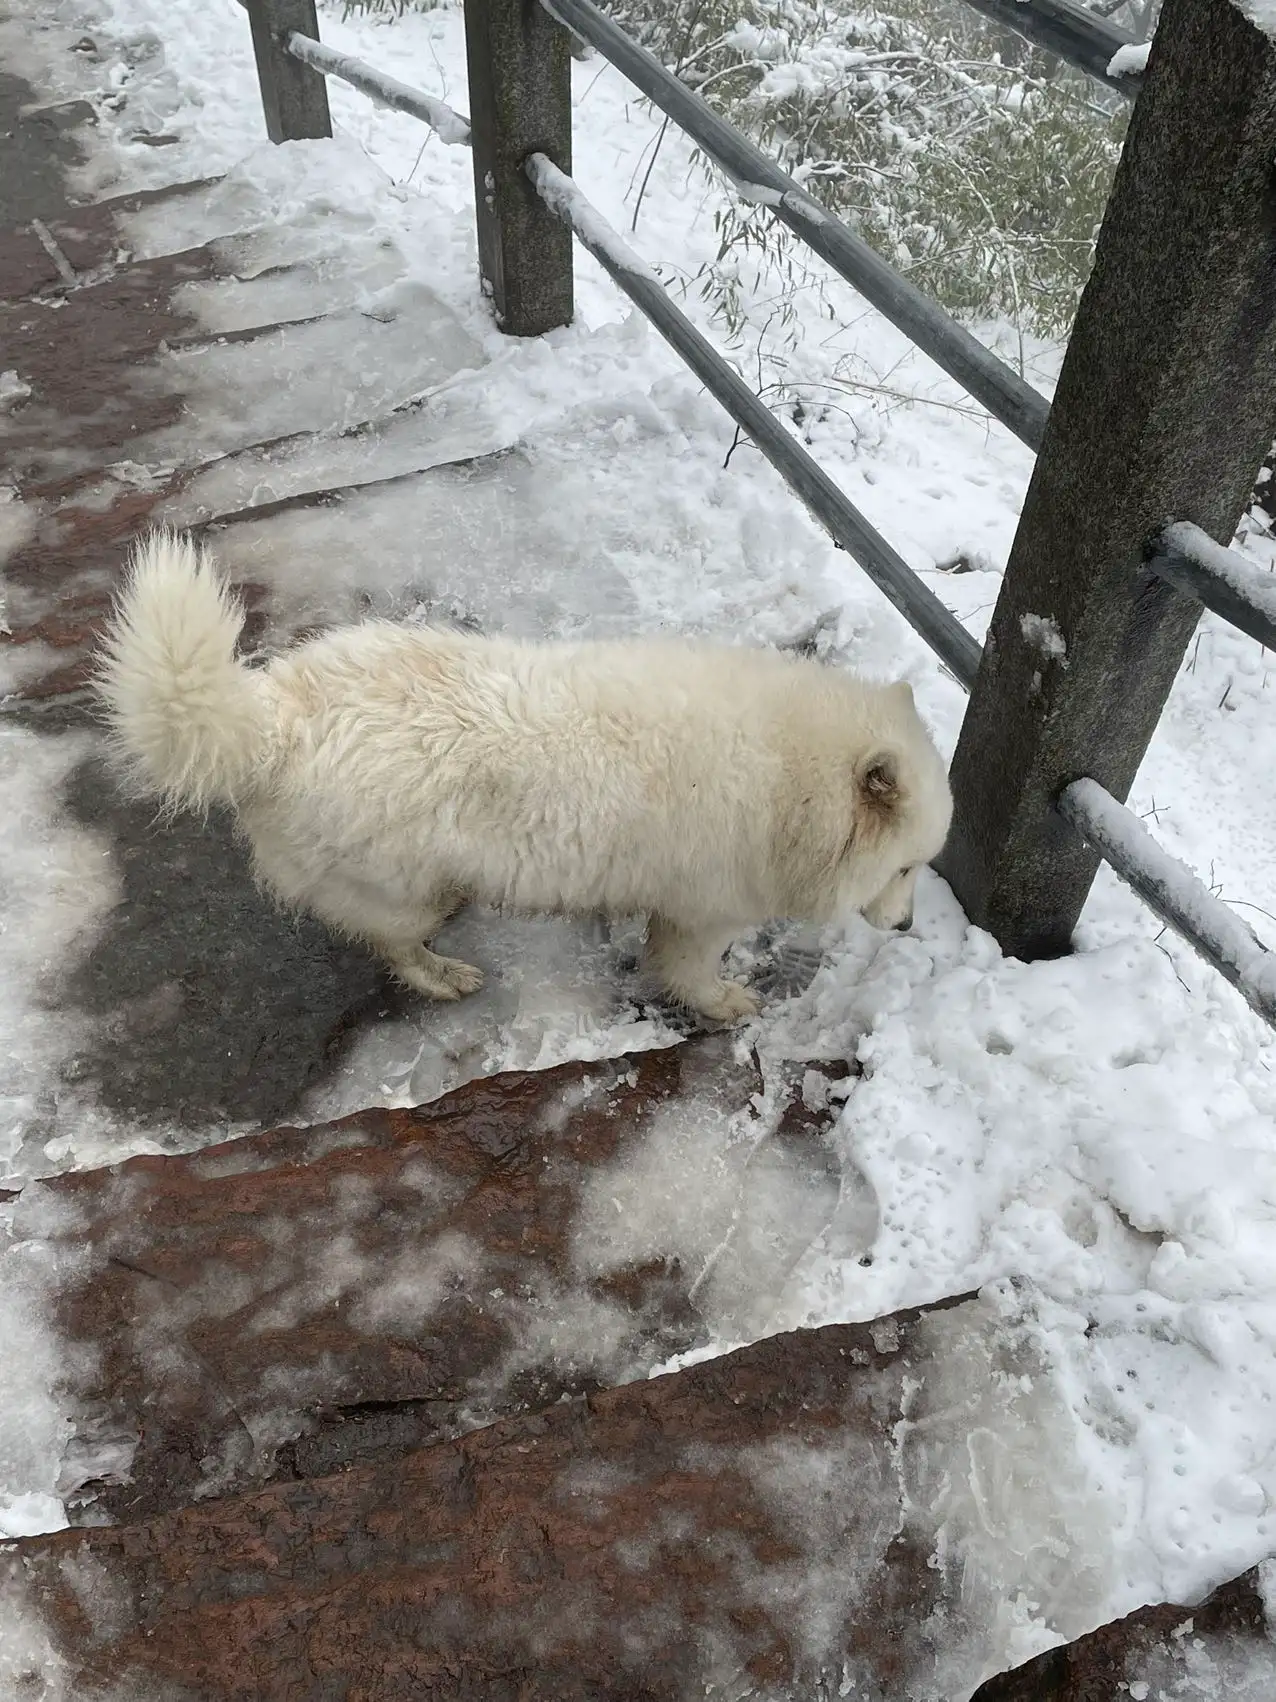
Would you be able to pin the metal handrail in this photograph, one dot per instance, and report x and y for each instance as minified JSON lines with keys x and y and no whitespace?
{"x":988,"y":379}
{"x":1227,"y":584}
{"x":923,"y":611}
{"x":1172,"y":892}
{"x":1081,"y":37}
{"x":450,"y":126}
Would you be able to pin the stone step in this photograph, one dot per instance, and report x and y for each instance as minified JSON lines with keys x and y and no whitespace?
{"x":60,"y":246}
{"x":770,"y":1523}
{"x":142,"y":365}
{"x":234,"y":372}
{"x":296,"y":1301}
{"x":739,"y":1528}
{"x":470,"y":538}
{"x":1220,"y":1650}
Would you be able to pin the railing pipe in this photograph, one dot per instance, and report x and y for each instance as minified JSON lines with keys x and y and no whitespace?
{"x":1225,"y":582}
{"x":1172,"y":892}
{"x":831,"y":507}
{"x":988,"y":379}
{"x":450,"y":126}
{"x":1085,"y":40}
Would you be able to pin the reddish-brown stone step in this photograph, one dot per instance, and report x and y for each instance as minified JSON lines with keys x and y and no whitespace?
{"x":295,"y":1300}
{"x":1221,"y":1650}
{"x":126,"y":370}
{"x":137,"y":374}
{"x":84,"y":355}
{"x":61,"y":577}
{"x":737,"y":1529}
{"x":78,"y":244}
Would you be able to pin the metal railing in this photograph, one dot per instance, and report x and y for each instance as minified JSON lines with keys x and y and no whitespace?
{"x":1228,"y":585}
{"x":1173,"y":892}
{"x":1087,"y":41}
{"x":920,"y":607}
{"x":447,"y":125}
{"x":989,"y":380}
{"x":1181,"y":557}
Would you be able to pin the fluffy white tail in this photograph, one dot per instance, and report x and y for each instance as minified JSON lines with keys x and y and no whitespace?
{"x":186,"y":718}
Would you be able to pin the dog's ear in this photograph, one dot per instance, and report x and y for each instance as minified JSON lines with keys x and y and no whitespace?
{"x":903,"y":693}
{"x":877,"y":784}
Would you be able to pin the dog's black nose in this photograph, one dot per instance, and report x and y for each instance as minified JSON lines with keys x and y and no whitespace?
{"x":904,"y":926}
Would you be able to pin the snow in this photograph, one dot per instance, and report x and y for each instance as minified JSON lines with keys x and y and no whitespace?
{"x":760,"y":194}
{"x":1102,"y":1127}
{"x":1187,"y":1670}
{"x":58,"y":880}
{"x":1130,"y":60}
{"x":1116,"y":831}
{"x":1256,"y":585}
{"x":730,"y":1203}
{"x":1261,"y":13}
{"x":1042,"y":632}
{"x":1267,"y":1590}
{"x":13,"y":389}
{"x":33,"y":1429}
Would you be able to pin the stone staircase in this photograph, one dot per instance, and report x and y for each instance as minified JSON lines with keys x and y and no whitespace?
{"x":363,"y":1410}
{"x":335,"y":458}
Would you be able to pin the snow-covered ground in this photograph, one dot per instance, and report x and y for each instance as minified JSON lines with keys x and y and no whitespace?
{"x":1104,"y":1126}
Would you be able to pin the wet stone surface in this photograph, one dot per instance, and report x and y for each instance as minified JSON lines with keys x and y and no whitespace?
{"x":39,"y":148}
{"x":737,"y":1528}
{"x":291,"y":1302}
{"x":1223,"y":1650}
{"x":207,"y":1000}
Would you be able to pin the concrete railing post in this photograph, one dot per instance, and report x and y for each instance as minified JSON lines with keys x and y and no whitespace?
{"x":520,"y":104}
{"x":293,"y":97}
{"x":1163,"y":411}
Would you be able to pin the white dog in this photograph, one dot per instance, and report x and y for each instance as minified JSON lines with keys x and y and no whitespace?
{"x":384,"y":775}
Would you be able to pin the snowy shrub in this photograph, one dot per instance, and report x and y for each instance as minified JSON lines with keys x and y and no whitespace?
{"x":969,"y":160}
{"x":974,"y":163}
{"x":395,"y":7}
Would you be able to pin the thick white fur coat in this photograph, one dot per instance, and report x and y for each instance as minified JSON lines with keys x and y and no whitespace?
{"x":383,"y":775}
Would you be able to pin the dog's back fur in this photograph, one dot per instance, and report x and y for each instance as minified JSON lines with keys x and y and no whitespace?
{"x":384,"y":773}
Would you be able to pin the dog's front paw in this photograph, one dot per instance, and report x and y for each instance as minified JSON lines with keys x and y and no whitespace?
{"x":728,"y":1001}
{"x":440,"y":977}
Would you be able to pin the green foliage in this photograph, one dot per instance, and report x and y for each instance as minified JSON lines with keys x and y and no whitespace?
{"x":394,"y":8}
{"x":966,"y":158}
{"x":975,"y":164}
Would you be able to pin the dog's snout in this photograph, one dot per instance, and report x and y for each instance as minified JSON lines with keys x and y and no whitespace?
{"x":905,"y":925}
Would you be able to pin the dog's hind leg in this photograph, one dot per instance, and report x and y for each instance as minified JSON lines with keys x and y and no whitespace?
{"x":687,"y":960}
